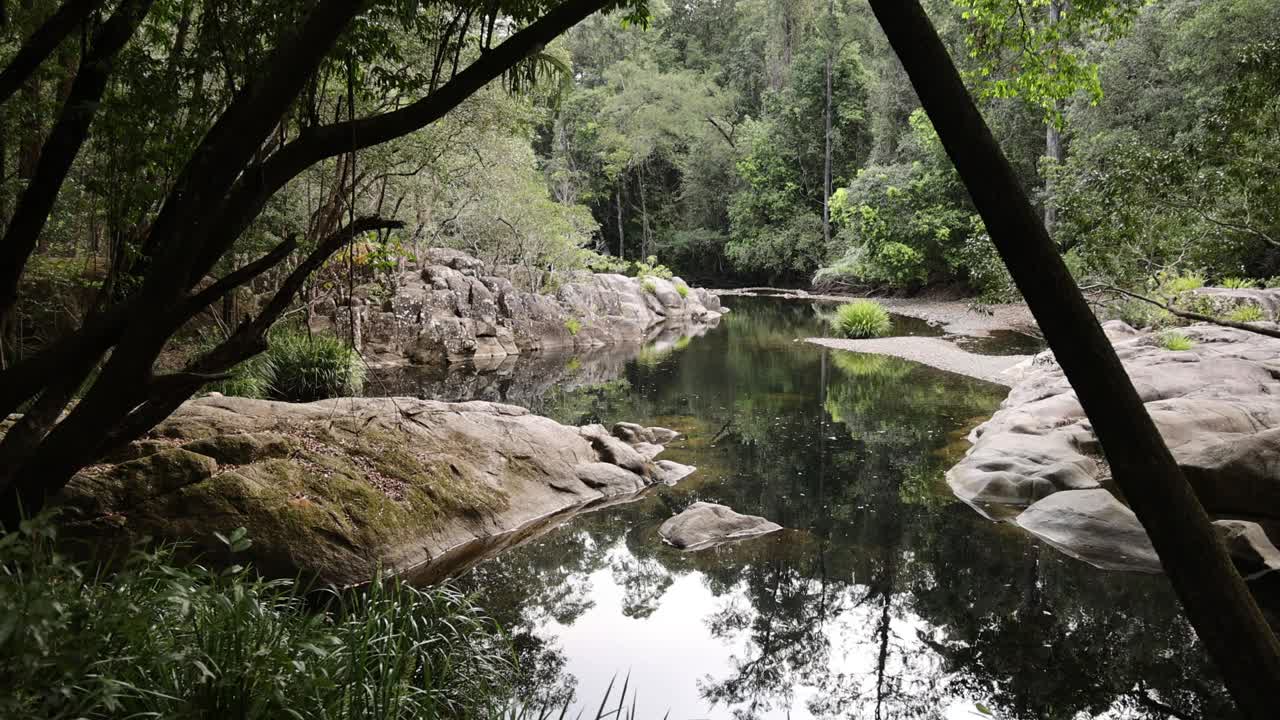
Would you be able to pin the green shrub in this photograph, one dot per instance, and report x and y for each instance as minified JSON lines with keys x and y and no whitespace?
{"x":1235,"y":283}
{"x":156,"y":639}
{"x":649,"y":286}
{"x":1176,"y":341}
{"x":861,"y":319}
{"x":1245,"y":314}
{"x":573,"y":325}
{"x":303,"y":367}
{"x":682,"y":289}
{"x":650,"y":267}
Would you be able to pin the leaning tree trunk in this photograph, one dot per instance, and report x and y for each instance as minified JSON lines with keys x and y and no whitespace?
{"x":1215,"y":598}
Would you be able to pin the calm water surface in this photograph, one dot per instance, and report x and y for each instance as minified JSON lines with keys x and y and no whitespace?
{"x":885,"y":598}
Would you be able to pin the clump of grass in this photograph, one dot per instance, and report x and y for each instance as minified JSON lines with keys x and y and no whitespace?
{"x":1236,"y":283}
{"x":1176,"y":284}
{"x":573,"y":325}
{"x":861,"y":319}
{"x":1175,"y":341}
{"x":682,"y":289}
{"x":1245,"y":314}
{"x":303,"y":367}
{"x":155,"y":638}
{"x":649,"y":286}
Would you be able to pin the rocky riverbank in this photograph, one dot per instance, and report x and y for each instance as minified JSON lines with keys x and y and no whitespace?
{"x":452,"y":309}
{"x":1217,"y":404}
{"x":338,"y":488}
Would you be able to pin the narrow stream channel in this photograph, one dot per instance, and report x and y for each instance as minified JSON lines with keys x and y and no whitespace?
{"x":885,"y":598}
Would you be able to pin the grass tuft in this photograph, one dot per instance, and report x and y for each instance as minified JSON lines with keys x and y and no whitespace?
{"x":1245,"y":314}
{"x":1236,"y":283}
{"x":861,"y":319}
{"x":573,"y":325}
{"x":1175,"y":341}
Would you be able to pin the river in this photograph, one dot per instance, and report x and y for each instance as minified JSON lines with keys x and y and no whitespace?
{"x":884,"y":598}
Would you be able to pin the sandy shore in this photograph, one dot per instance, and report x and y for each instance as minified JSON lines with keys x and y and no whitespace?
{"x":935,"y":352}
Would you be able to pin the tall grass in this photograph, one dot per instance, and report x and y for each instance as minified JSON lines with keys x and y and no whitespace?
{"x":861,"y":319}
{"x":298,"y":367}
{"x":155,"y":639}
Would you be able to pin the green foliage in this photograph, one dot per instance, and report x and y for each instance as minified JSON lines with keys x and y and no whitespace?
{"x":1174,"y":285}
{"x":682,"y":290}
{"x":650,"y":267}
{"x":908,"y":222}
{"x":153,"y":638}
{"x":302,"y":367}
{"x":1245,"y":314}
{"x":649,"y":286}
{"x":1175,"y":341}
{"x":1022,"y":53}
{"x":573,"y":325}
{"x":861,"y":319}
{"x":1237,"y":283}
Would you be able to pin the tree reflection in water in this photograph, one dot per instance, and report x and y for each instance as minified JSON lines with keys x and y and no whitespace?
{"x":885,"y":598}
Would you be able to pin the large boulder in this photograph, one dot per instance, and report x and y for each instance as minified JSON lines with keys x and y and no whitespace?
{"x":450,"y":311}
{"x":1038,"y":463}
{"x":1217,"y":406}
{"x":338,"y":488}
{"x":705,"y":524}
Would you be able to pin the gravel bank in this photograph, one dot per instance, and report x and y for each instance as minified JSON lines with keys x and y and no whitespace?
{"x":958,"y":317}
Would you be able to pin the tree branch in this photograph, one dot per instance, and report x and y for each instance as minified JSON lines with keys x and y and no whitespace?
{"x":43,"y":42}
{"x":62,"y":146}
{"x":1184,"y":314}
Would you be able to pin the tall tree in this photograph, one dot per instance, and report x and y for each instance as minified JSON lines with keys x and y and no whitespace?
{"x":1213,"y":594}
{"x":225,"y":184}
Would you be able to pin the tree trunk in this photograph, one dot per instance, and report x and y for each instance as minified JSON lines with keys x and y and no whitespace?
{"x":622,"y":231}
{"x":1052,"y":143}
{"x":43,"y":42}
{"x":826,"y":157}
{"x":646,"y":239}
{"x":1215,"y":598}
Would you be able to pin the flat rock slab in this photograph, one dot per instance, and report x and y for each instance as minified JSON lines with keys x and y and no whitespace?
{"x":1217,"y":406}
{"x":938,"y":353}
{"x":703,"y":525}
{"x":336,"y":489}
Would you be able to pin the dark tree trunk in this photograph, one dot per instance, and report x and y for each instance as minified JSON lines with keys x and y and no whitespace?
{"x":1215,"y":598}
{"x":826,"y":156}
{"x":1052,"y":144}
{"x":68,"y":135}
{"x":42,"y":43}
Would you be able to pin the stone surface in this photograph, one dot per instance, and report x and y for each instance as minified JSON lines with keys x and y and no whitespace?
{"x":1217,"y":405}
{"x":450,"y":310}
{"x":1094,"y":526}
{"x":939,"y":353}
{"x":335,"y":489}
{"x":704,"y":524}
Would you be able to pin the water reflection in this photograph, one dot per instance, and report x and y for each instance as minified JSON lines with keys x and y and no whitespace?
{"x":885,"y":598}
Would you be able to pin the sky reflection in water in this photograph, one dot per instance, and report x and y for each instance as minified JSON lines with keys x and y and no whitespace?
{"x":885,"y":598}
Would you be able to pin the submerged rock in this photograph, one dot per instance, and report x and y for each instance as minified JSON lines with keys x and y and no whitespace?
{"x":450,"y":310}
{"x":1217,"y":406}
{"x":338,"y":488}
{"x":704,"y":524}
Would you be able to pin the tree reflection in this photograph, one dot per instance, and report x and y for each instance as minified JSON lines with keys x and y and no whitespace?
{"x":886,"y":598}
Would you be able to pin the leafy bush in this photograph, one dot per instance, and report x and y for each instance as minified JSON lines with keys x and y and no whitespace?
{"x":650,"y":267}
{"x":861,"y":319}
{"x":157,"y":639}
{"x":573,"y":325}
{"x":1245,"y":314}
{"x":1236,"y":283}
{"x":303,"y":367}
{"x":1176,"y":341}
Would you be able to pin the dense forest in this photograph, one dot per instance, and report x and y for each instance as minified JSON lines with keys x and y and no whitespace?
{"x":739,"y":142}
